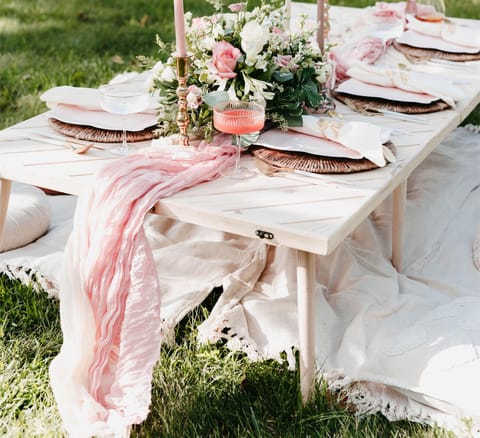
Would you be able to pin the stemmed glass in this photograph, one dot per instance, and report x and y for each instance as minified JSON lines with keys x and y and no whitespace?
{"x":123,"y":99}
{"x":238,"y":118}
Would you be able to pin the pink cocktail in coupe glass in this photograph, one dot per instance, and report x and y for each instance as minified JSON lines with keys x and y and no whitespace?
{"x":239,"y":118}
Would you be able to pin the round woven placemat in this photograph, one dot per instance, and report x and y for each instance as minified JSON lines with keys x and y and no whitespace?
{"x":313,"y":163}
{"x":418,"y":52}
{"x":91,"y":133}
{"x":372,"y":103}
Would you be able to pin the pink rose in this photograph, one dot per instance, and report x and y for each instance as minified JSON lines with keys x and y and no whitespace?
{"x":280,"y":33}
{"x":224,"y":59}
{"x":194,"y":97}
{"x":237,"y":7}
{"x":283,"y":60}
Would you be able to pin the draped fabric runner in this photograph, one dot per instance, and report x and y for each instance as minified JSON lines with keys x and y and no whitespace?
{"x":109,"y":291}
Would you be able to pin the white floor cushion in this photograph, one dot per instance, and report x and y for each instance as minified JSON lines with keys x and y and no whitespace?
{"x":28,"y":216}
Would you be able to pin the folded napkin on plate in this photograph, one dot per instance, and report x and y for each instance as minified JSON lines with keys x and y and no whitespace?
{"x":463,"y":38}
{"x":414,"y":81}
{"x":81,"y":106}
{"x":363,"y":137}
{"x":311,"y":144}
{"x":333,"y":138}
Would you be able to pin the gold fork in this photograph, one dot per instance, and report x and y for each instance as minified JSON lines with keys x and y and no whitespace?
{"x":78,"y":149}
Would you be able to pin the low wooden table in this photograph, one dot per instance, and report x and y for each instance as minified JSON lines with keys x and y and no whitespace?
{"x":311,"y":216}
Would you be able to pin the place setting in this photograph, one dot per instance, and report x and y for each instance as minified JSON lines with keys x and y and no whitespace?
{"x":431,"y":35}
{"x":325,"y":145}
{"x":123,"y":111}
{"x":376,"y":76}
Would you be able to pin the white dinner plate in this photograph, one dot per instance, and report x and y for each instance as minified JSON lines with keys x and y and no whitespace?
{"x":422,"y":41}
{"x":101,"y":119}
{"x":295,"y":142}
{"x":364,"y":89}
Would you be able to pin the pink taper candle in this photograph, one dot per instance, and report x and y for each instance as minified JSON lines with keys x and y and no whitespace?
{"x":321,"y":24}
{"x":179,"y":28}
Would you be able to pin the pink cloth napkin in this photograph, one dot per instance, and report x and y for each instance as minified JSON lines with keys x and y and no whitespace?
{"x":109,"y":291}
{"x":367,"y":50}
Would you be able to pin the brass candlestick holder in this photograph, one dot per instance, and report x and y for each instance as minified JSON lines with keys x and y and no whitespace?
{"x":182,"y":91}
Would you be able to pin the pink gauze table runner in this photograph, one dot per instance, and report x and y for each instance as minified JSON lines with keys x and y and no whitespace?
{"x":109,"y":291}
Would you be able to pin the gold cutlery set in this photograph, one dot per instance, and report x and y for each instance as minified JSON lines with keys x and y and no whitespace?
{"x":76,"y":145}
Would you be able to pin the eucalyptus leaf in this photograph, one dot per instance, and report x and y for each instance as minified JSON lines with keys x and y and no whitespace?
{"x":283,"y":76}
{"x":215,"y":98}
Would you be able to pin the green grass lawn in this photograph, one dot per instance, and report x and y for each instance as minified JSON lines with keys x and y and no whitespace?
{"x":198,"y":391}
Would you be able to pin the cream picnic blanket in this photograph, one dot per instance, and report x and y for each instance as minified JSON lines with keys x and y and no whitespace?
{"x":406,"y":345}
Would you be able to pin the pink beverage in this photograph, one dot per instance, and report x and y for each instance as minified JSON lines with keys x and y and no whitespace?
{"x":238,"y":118}
{"x":239,"y":121}
{"x":431,"y":11}
{"x":430,"y":18}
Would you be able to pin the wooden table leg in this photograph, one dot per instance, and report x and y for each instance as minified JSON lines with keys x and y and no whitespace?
{"x":398,"y":224}
{"x":306,"y":320}
{"x":5,"y":188}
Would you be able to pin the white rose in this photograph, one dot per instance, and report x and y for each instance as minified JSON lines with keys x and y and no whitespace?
{"x":207,"y":43}
{"x":168,"y":75}
{"x":254,"y":37}
{"x":157,"y":68}
{"x":230,"y":20}
{"x":324,"y":73}
{"x":194,"y":97}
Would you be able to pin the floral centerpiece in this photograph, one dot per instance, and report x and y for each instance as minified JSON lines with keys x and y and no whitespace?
{"x":244,"y":54}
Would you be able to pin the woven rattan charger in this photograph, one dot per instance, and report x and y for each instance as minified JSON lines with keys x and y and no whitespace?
{"x":90,"y":133}
{"x":423,"y":53}
{"x":360,"y":103}
{"x":313,"y":163}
